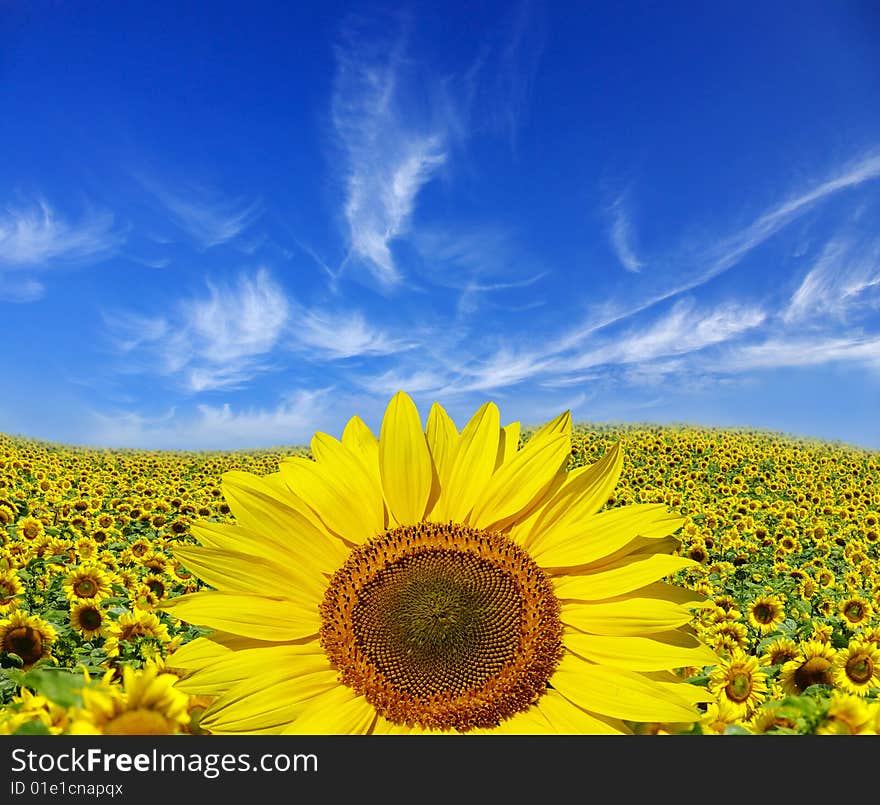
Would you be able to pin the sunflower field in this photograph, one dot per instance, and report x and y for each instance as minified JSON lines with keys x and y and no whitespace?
{"x":781,"y":536}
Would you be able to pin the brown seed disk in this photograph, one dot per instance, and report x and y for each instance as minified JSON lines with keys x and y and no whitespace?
{"x":442,"y":626}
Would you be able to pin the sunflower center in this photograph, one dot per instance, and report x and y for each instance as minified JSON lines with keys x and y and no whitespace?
{"x":860,"y":669}
{"x":85,"y":588}
{"x":89,"y":619}
{"x":739,"y":687}
{"x":443,"y":626}
{"x":813,"y":672}
{"x":763,"y":613}
{"x":26,"y":642}
{"x":854,"y":612}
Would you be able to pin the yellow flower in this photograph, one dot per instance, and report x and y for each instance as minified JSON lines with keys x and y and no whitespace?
{"x":28,"y":636}
{"x":87,"y":582}
{"x":145,"y":704}
{"x":813,"y":665}
{"x":10,"y":589}
{"x":436,"y":580}
{"x":847,"y":715}
{"x":857,"y":667}
{"x":739,"y":680}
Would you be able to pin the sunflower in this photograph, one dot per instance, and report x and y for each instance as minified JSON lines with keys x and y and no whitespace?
{"x":10,"y":589}
{"x":813,"y":665}
{"x":438,"y":581}
{"x":856,"y":611}
{"x":766,"y":612}
{"x":145,"y":704}
{"x":88,"y":620}
{"x":739,"y":681}
{"x":779,"y":652}
{"x":88,"y":582}
{"x":857,"y":667}
{"x":27,"y":636}
{"x":30,"y":528}
{"x":131,"y":627}
{"x":847,"y":715}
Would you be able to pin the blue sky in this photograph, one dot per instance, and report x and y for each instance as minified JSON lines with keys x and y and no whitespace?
{"x":229,"y":225}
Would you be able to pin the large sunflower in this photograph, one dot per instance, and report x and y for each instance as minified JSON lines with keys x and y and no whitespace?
{"x":433,"y":580}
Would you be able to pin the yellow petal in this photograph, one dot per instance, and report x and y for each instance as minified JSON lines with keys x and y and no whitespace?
{"x":350,"y":517}
{"x":618,"y":693}
{"x":268,"y":702}
{"x":211,"y":648}
{"x":405,"y":462}
{"x":569,"y":719}
{"x":585,"y":491}
{"x":600,"y":535}
{"x":559,"y":424}
{"x":337,"y":711}
{"x":350,"y":471}
{"x":508,"y":444}
{"x":273,"y":619}
{"x":238,"y":666}
{"x":516,"y":483}
{"x":528,"y":722}
{"x":258,"y":504}
{"x":442,"y":436}
{"x":619,"y":578}
{"x":472,"y":466}
{"x":631,"y":616}
{"x":639,"y":653}
{"x":236,"y":539}
{"x":230,"y":571}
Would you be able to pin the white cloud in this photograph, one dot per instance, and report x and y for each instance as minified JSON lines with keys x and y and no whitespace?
{"x":779,"y":352}
{"x":337,"y":335}
{"x":732,"y":249}
{"x":840,"y":280}
{"x":34,"y":236}
{"x":206,"y":216}
{"x":621,"y":238}
{"x":292,"y":423}
{"x":388,"y":155}
{"x":218,"y":341}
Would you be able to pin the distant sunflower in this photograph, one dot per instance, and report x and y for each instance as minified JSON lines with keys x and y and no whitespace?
{"x":88,"y":620}
{"x":88,"y":582}
{"x":766,"y":612}
{"x":857,"y":668}
{"x":856,"y":611}
{"x":813,"y":665}
{"x":130,"y":626}
{"x":10,"y":589}
{"x":28,"y":636}
{"x":438,"y":581}
{"x":778,"y":652}
{"x":739,"y":681}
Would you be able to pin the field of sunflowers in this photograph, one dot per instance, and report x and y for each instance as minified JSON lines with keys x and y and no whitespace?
{"x":783,"y":532}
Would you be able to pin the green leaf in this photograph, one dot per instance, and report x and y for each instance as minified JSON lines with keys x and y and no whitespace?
{"x":32,"y":727}
{"x":58,"y":685}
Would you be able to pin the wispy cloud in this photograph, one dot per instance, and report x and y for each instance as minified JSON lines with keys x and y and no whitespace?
{"x":35,"y":237}
{"x":846,"y":275}
{"x":338,"y":335}
{"x":815,"y":350}
{"x":291,"y":422}
{"x":205,"y":215}
{"x":217,"y":341}
{"x":390,"y":150}
{"x":621,"y":236}
{"x":734,"y":248}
